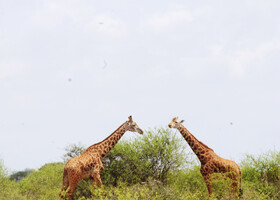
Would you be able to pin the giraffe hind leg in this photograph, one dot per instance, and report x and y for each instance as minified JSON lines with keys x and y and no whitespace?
{"x":71,"y":190}
{"x":65,"y":184}
{"x":72,"y":181}
{"x":97,"y":181}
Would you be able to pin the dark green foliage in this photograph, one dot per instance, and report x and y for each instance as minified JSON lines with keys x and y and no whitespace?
{"x":162,"y":151}
{"x":121,"y":164}
{"x":17,"y":176}
{"x":83,"y":189}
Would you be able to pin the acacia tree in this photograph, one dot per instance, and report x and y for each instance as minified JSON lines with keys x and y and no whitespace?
{"x":152,"y":155}
{"x":73,"y":150}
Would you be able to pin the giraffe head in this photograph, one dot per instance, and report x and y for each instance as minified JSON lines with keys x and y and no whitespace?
{"x":175,"y":123}
{"x":130,"y":125}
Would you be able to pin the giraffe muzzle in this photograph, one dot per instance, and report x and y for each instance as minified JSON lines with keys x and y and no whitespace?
{"x":140,"y":131}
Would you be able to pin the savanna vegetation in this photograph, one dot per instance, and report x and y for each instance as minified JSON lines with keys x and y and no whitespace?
{"x":154,"y":166}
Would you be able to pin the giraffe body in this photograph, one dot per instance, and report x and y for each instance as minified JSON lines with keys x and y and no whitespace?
{"x":89,"y":163}
{"x":211,"y":163}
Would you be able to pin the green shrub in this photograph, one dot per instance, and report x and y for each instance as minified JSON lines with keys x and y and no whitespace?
{"x":44,"y":183}
{"x":154,"y":154}
{"x":8,"y":189}
{"x":222,"y":187}
{"x":188,"y":183}
{"x":262,"y":174}
{"x":4,"y":182}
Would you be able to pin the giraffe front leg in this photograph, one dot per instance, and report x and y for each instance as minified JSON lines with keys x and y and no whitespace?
{"x":207,"y":171}
{"x":97,"y":179}
{"x":96,"y":173}
{"x":208,"y":182}
{"x":234,"y":189}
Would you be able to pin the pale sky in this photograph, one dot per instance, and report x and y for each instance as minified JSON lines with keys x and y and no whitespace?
{"x":73,"y":71}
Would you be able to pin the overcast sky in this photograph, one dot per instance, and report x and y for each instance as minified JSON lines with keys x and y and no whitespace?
{"x":73,"y":71}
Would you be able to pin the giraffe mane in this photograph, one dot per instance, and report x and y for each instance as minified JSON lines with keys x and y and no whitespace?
{"x":109,"y":135}
{"x":205,"y":145}
{"x":198,"y":140}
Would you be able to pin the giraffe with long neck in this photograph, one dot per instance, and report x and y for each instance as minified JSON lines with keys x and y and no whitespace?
{"x":211,"y":163}
{"x":89,"y":163}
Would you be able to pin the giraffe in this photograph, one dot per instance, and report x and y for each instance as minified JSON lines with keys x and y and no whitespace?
{"x":89,"y":163}
{"x":211,"y":163}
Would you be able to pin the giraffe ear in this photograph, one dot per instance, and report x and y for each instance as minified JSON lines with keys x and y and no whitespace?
{"x":182,"y":121}
{"x":130,"y":118}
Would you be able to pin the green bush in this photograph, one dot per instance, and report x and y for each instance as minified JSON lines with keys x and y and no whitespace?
{"x":188,"y":183}
{"x":4,"y":182}
{"x":262,"y":174}
{"x":44,"y":183}
{"x":8,"y":189}
{"x":153,"y":155}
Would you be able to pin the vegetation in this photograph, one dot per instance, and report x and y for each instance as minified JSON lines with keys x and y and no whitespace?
{"x":261,"y":174}
{"x":153,"y":166}
{"x":150,"y":156}
{"x":17,"y":176}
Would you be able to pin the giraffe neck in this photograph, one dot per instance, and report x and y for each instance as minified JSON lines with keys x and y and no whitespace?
{"x":201,"y":150}
{"x":106,"y":145}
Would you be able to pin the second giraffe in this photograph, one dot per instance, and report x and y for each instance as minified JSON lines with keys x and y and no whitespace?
{"x":211,"y":163}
